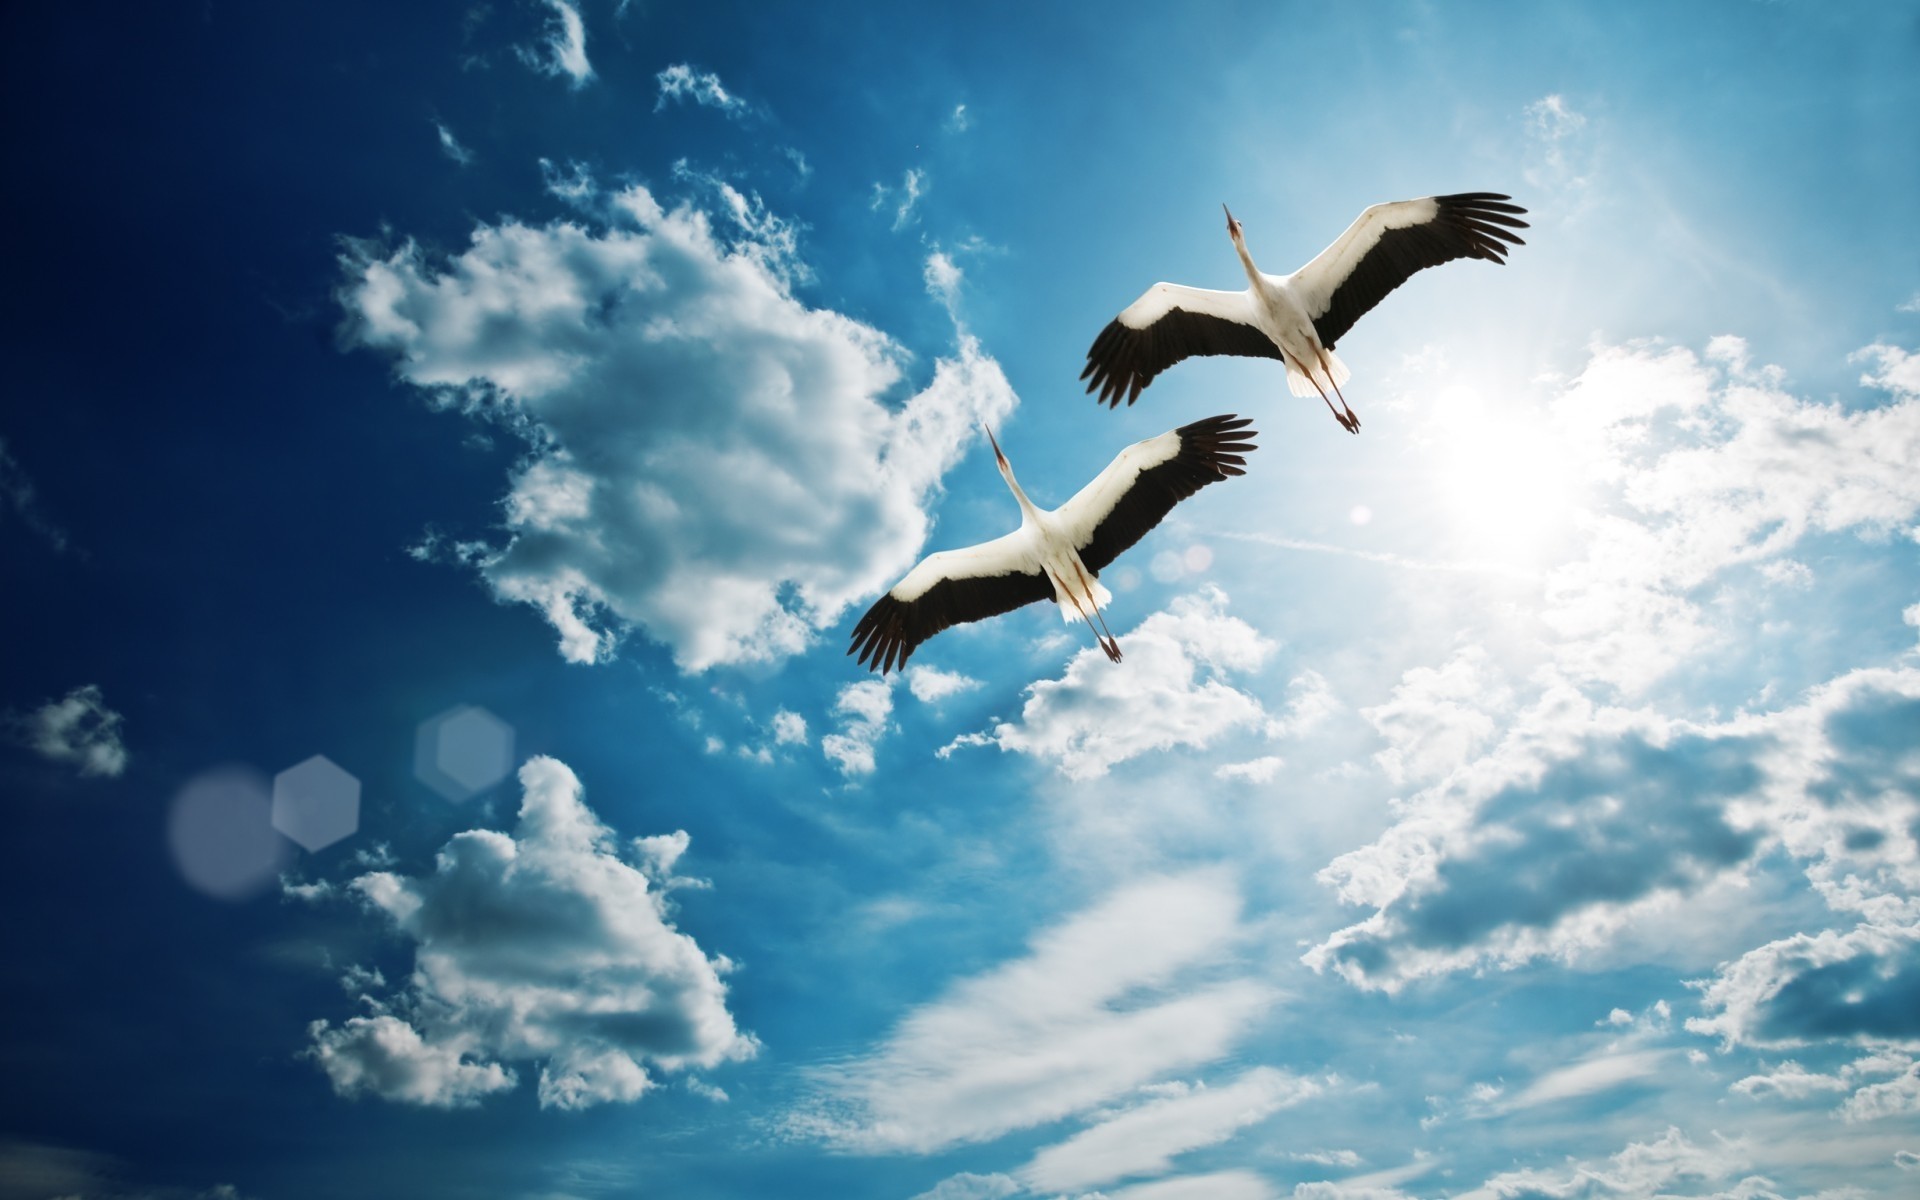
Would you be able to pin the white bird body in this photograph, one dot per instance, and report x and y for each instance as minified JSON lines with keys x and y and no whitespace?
{"x":1297,"y":318}
{"x":1055,"y":554}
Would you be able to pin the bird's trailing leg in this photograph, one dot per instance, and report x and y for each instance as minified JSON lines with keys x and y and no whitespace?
{"x":1110,"y":647}
{"x":1347,"y":420}
{"x":1353,"y":420}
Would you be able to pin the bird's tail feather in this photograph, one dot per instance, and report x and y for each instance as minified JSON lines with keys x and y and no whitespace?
{"x":1300,"y":385}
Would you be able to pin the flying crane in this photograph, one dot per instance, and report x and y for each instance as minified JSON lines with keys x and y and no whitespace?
{"x":1055,"y":555}
{"x":1297,"y":318}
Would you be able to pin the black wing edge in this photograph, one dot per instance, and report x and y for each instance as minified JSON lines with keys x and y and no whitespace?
{"x":887,"y":636}
{"x":1122,"y":361}
{"x":1468,"y":225}
{"x":1210,"y":450}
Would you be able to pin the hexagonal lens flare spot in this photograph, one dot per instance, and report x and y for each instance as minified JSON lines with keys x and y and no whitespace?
{"x":316,"y":803}
{"x":220,"y":833}
{"x":463,"y":751}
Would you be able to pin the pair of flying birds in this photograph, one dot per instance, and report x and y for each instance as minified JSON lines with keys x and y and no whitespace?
{"x":1295,"y":318}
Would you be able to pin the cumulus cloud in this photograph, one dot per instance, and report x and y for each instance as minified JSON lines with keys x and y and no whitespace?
{"x":78,"y":729}
{"x":680,"y":82}
{"x":1257,"y":770}
{"x":564,"y":52}
{"x":1145,"y":1138}
{"x":1642,"y":1171}
{"x":543,"y":945}
{"x":1551,"y":812}
{"x":789,"y":728}
{"x":930,"y":685}
{"x":864,"y":709}
{"x":1123,"y":993}
{"x":1708,"y":462}
{"x":1438,"y":719}
{"x":1171,"y":691}
{"x":1531,"y":857}
{"x":1860,"y":985}
{"x":968,"y":1186}
{"x":709,"y":460}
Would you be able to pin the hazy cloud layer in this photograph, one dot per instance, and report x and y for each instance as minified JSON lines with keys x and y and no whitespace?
{"x":709,"y":460}
{"x":544,"y":945}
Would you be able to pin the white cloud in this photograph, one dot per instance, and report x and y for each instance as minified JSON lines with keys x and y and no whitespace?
{"x":1112,"y":998}
{"x":1551,"y":820}
{"x":968,"y":1186}
{"x":1439,"y":719}
{"x":1859,"y":985}
{"x":789,"y":729}
{"x":1258,"y":770}
{"x":1642,"y":1171}
{"x":1709,"y":464}
{"x":1596,"y":1073}
{"x":1144,"y":1139}
{"x":78,"y":728}
{"x":865,"y":709}
{"x":564,"y":52}
{"x":960,"y":121}
{"x":1898,"y":371}
{"x":1790,"y":1081}
{"x":681,"y":82}
{"x":17,"y":493}
{"x":540,"y":945}
{"x":1556,"y":130}
{"x":709,"y":460}
{"x":930,"y":685}
{"x":943,"y":278}
{"x":450,"y":145}
{"x":1169,"y":692}
{"x":912,"y":186}
{"x":1214,"y":1185}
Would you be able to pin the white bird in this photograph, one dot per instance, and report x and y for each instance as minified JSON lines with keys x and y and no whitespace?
{"x":1055,"y":555}
{"x":1297,"y":318}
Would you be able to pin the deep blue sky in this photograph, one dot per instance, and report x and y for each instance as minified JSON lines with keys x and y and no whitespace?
{"x":1518,"y":799}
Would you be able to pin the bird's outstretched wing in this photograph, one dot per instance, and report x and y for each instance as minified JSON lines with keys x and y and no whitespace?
{"x":1141,"y":485}
{"x":949,"y":588}
{"x":1166,"y":324}
{"x":1389,"y":242}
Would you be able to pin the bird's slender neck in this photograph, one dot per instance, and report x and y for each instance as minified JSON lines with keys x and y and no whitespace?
{"x":1246,"y":260}
{"x":1028,"y":512}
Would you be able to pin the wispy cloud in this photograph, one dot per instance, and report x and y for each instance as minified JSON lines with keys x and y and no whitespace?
{"x":682,"y":83}
{"x":450,"y":145}
{"x":902,"y":199}
{"x":78,"y":729}
{"x":564,"y":51}
{"x":1145,"y":1138}
{"x":1108,"y":1000}
{"x":18,"y":495}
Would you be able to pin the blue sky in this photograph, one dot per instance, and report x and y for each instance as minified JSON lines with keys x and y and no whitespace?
{"x":515,"y":405}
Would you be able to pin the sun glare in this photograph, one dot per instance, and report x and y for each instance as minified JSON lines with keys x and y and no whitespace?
{"x":1503,"y":475}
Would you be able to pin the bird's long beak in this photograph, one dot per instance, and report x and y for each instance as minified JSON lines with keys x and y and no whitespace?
{"x":998,"y":457}
{"x":1233,"y":226}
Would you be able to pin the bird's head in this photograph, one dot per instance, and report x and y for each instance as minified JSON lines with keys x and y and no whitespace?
{"x":997,"y":456}
{"x":1233,"y":226}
